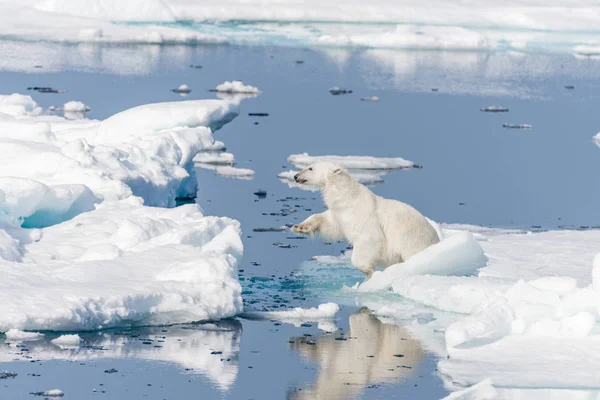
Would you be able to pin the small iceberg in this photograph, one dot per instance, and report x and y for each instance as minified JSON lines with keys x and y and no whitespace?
{"x":235,"y":87}
{"x":182,"y":89}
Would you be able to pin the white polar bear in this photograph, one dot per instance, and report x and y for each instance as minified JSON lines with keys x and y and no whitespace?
{"x":382,"y":232}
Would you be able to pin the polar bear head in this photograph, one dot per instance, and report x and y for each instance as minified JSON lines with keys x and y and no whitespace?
{"x":318,"y":174}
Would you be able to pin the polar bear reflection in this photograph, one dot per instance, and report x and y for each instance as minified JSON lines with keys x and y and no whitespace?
{"x":370,"y":355}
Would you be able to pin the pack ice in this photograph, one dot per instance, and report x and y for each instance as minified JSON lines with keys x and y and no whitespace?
{"x":87,"y":238}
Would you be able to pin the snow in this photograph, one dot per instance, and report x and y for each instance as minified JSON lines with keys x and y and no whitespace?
{"x":84,"y":243}
{"x":67,"y":341}
{"x":16,"y":335}
{"x":216,"y":158}
{"x":236,"y":87}
{"x":353,"y":162}
{"x":75,"y":106}
{"x":526,"y":319}
{"x":53,"y":393}
{"x":227,"y":170}
{"x":459,"y":254}
{"x":322,"y":312}
{"x":597,"y":139}
{"x":442,"y":24}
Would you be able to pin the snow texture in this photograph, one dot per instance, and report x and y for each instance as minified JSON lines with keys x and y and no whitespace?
{"x":236,"y":87}
{"x":353,"y":162}
{"x":84,"y":243}
{"x":441,"y":24}
{"x":322,"y":312}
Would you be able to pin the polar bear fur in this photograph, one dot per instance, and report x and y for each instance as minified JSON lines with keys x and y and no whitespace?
{"x":382,"y":231}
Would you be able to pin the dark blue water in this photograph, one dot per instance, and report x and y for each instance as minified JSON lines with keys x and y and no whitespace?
{"x":475,"y":171}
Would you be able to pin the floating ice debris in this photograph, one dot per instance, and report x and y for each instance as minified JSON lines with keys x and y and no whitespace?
{"x":597,"y":139}
{"x":278,"y":229}
{"x":6,"y":375}
{"x":111,"y":371}
{"x":258,"y":114}
{"x":16,"y":335}
{"x":494,"y":109}
{"x":196,"y":66}
{"x":67,"y":341}
{"x":517,"y":126}
{"x":570,"y":87}
{"x":228,"y":171}
{"x":372,"y":99}
{"x":46,"y":89}
{"x":215,"y":158}
{"x":182,"y":89}
{"x":50,"y":393}
{"x":299,"y":61}
{"x":434,"y":89}
{"x":235,"y":87}
{"x":261,"y":193}
{"x":354,"y":162}
{"x":324,"y":311}
{"x":337,"y":91}
{"x":75,"y":106}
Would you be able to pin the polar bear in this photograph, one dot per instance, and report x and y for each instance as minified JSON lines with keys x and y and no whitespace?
{"x":382,"y":231}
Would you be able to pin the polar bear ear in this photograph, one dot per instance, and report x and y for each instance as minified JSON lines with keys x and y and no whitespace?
{"x":336,"y":171}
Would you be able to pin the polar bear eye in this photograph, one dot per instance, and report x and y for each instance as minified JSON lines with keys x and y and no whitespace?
{"x":310,"y":169}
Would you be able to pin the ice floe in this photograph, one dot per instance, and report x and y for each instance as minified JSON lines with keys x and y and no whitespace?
{"x":67,"y":341}
{"x":526,"y":318}
{"x":353,"y":162}
{"x":236,"y":87}
{"x":323,"y":312}
{"x":476,"y":25}
{"x":597,"y":139}
{"x":83,"y":242}
{"x":366,"y":170}
{"x":16,"y":335}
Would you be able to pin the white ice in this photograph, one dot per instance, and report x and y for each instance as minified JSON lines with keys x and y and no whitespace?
{"x":527,"y":319}
{"x":236,"y":87}
{"x":75,"y":106}
{"x":441,"y":24}
{"x":53,"y":393}
{"x":84,"y":243}
{"x":216,"y":158}
{"x":228,"y":171}
{"x":15,"y":335}
{"x":67,"y":341}
{"x":597,"y":139}
{"x":326,"y":311}
{"x":352,"y":162}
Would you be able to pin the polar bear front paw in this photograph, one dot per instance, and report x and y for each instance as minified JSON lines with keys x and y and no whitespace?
{"x":303,"y":229}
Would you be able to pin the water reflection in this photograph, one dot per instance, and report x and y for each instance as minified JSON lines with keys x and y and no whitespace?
{"x":372,"y":353}
{"x":211,"y":350}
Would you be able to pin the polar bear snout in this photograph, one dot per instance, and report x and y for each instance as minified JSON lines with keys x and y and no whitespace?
{"x":299,"y":179}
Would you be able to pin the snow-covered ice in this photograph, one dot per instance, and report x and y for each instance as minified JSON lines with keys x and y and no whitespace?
{"x":83,"y":242}
{"x":75,"y":106}
{"x":322,"y":312}
{"x":236,"y":87}
{"x":67,"y":341}
{"x":228,"y":170}
{"x":442,"y":24}
{"x":353,"y":162}
{"x":457,"y":255}
{"x":597,"y":139}
{"x":15,"y":335}
{"x":526,"y":319}
{"x":53,"y":393}
{"x":366,"y":170}
{"x":481,"y":391}
{"x":216,"y":158}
